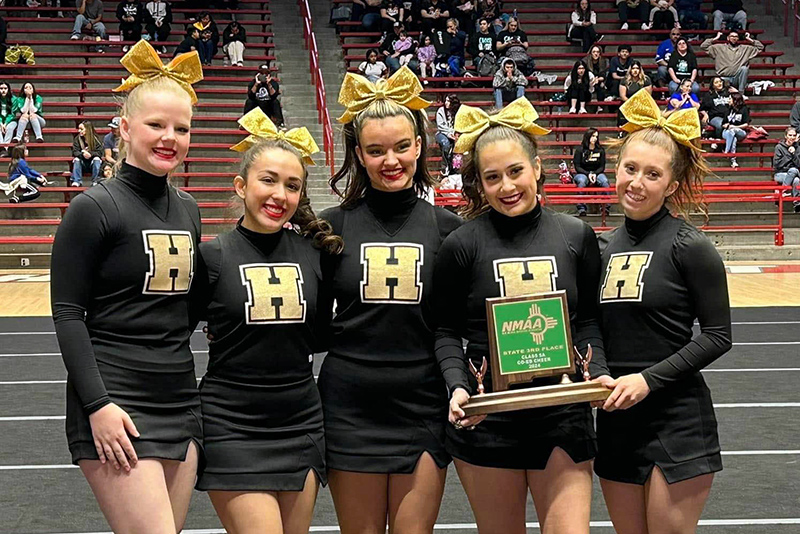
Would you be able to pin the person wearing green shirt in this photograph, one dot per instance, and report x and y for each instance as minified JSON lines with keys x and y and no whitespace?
{"x":28,"y":111}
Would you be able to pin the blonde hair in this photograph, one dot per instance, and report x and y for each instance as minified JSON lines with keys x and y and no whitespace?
{"x":319,"y":230}
{"x":353,"y":172}
{"x":687,"y":165}
{"x":470,"y":174}
{"x":137,"y":100}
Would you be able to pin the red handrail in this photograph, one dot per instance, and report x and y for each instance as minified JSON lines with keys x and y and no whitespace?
{"x":323,"y":116}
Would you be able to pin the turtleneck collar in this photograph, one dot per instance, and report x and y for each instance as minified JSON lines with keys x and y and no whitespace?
{"x":145,"y":184}
{"x":638,"y":229}
{"x":263,"y":242}
{"x":511,"y":225}
{"x":386,"y":204}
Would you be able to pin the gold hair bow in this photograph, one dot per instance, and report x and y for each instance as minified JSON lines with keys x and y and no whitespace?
{"x":472,"y":122}
{"x":260,"y":127}
{"x":641,"y":111}
{"x":143,"y":63}
{"x":402,"y":87}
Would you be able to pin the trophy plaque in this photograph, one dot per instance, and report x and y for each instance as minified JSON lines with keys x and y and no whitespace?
{"x":530,"y":337}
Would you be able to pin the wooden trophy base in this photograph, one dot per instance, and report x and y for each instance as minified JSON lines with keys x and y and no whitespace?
{"x":522,"y":399}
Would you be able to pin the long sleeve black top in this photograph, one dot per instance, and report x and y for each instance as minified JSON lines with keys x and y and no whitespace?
{"x":122,"y":266}
{"x":660,"y":275}
{"x":552,"y":252}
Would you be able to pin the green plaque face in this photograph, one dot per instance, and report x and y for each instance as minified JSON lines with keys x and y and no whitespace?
{"x":530,"y":336}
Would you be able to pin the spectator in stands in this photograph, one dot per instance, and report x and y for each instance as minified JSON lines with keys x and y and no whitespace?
{"x":392,"y":12}
{"x":715,"y":106}
{"x":386,"y":47}
{"x":635,"y":81}
{"x":130,"y":14}
{"x":578,"y":86}
{"x":90,"y":16}
{"x":157,"y":22}
{"x":264,"y":92}
{"x":786,"y":163}
{"x":458,"y":43}
{"x":404,"y":49}
{"x":368,"y":12}
{"x":111,"y":142}
{"x":513,"y":43}
{"x":233,"y":40}
{"x":731,"y":13}
{"x":482,"y":42}
{"x":509,"y":83}
{"x":735,"y":127}
{"x":465,"y":11}
{"x":411,"y":18}
{"x":582,"y":24}
{"x":205,"y":22}
{"x":205,"y":47}
{"x":663,"y":16}
{"x":18,"y":168}
{"x":732,"y":59}
{"x":8,"y":120}
{"x":106,"y":172}
{"x":684,"y":98}
{"x":87,"y":151}
{"x":794,"y":116}
{"x":689,"y":14}
{"x":637,"y":9}
{"x":28,"y":111}
{"x":589,"y":161}
{"x":663,"y":53}
{"x":426,"y":55}
{"x":372,"y":69}
{"x":618,"y":69}
{"x":445,"y":134}
{"x":190,"y":42}
{"x":683,"y":66}
{"x":598,"y":66}
{"x":490,"y":10}
{"x":434,"y":15}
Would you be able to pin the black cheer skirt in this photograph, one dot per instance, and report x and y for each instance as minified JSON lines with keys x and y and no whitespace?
{"x":165,"y":407}
{"x":261,"y":437}
{"x":525,"y":439}
{"x":674,"y":429}
{"x":380,"y":418}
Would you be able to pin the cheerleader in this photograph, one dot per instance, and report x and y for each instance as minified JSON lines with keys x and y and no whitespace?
{"x":262,"y":416}
{"x":511,"y":246}
{"x":383,"y":398}
{"x":657,"y":435}
{"x":122,"y":267}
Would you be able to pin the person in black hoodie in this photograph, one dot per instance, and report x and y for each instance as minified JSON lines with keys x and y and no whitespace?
{"x":233,"y":40}
{"x":716,"y":105}
{"x":458,"y":41}
{"x":130,"y":14}
{"x":590,"y":165}
{"x":189,"y":43}
{"x":786,"y":163}
{"x":157,"y":21}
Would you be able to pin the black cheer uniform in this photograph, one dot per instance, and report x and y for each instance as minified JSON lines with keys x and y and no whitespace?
{"x":122,"y":266}
{"x":498,"y":256}
{"x":262,"y":416}
{"x":383,"y":397}
{"x":661,"y":274}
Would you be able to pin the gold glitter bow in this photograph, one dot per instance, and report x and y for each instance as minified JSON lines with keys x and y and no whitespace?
{"x":143,"y":63}
{"x":402,"y":87}
{"x":472,"y":122}
{"x":641,"y":111}
{"x":260,"y":127}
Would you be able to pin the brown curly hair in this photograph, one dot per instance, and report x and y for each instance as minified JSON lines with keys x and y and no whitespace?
{"x":319,"y":230}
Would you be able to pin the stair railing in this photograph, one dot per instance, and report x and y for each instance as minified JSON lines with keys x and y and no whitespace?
{"x":323,"y":115}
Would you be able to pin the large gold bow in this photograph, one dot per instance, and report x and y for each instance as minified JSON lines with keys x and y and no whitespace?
{"x":641,"y":111}
{"x":402,"y":87}
{"x":143,"y":63}
{"x":260,"y":127}
{"x":472,"y":122}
